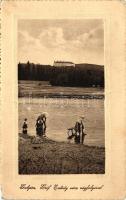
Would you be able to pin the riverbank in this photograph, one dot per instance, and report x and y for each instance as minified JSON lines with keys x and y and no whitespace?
{"x":45,"y":156}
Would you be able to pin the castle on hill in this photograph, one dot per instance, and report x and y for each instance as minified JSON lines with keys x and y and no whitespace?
{"x":63,"y":64}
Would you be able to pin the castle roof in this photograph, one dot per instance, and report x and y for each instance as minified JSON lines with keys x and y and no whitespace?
{"x":63,"y":62}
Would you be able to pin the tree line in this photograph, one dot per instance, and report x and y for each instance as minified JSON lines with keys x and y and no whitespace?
{"x":82,"y":75}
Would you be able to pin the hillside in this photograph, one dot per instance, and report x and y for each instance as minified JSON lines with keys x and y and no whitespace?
{"x":87,"y":66}
{"x":82,"y":75}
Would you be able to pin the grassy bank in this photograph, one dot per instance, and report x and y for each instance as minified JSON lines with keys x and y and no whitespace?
{"x":44,"y":156}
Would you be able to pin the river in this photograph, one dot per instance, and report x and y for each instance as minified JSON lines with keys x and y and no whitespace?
{"x":62,"y":114}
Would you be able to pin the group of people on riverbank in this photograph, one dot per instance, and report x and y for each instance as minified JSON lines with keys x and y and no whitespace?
{"x":77,"y":132}
{"x":40,"y":125}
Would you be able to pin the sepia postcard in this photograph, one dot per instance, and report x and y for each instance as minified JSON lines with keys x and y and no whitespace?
{"x":63,"y":99}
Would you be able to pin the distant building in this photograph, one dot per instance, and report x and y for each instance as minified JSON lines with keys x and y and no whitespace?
{"x":63,"y":64}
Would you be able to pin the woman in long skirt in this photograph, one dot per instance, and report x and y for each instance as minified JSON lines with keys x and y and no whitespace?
{"x":39,"y":127}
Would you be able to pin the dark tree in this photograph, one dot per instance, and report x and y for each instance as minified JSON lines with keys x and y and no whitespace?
{"x":82,"y":75}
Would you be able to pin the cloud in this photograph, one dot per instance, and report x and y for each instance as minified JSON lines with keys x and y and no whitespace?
{"x":52,"y":43}
{"x":52,"y":37}
{"x":25,"y":41}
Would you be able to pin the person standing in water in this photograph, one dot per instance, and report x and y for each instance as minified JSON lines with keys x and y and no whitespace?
{"x":82,"y":130}
{"x":25,"y":126}
{"x":77,"y":132}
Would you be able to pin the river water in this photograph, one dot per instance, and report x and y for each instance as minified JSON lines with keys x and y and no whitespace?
{"x":62,"y":114}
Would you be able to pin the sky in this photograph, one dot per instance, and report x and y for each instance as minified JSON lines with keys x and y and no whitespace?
{"x":43,"y":40}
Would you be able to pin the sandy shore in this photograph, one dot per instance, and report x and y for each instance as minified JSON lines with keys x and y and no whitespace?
{"x":45,"y":156}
